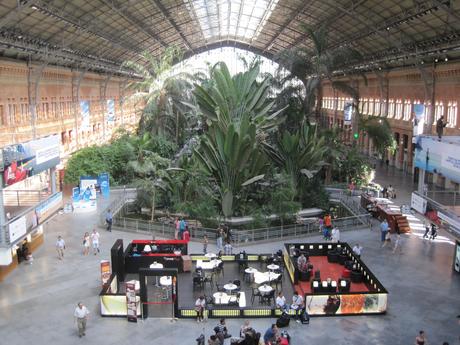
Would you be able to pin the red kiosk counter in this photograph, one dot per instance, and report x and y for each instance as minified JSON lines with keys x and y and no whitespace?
{"x":143,"y":253}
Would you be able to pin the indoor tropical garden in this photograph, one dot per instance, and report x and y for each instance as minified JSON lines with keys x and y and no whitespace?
{"x":213,"y":145}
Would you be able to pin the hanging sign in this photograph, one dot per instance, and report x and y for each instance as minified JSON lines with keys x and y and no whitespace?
{"x":131,"y":301}
{"x":105,"y":271}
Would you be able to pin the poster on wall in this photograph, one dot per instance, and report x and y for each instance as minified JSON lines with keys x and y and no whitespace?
{"x":17,"y":229}
{"x":347,"y":113}
{"x":438,"y":157}
{"x":84,"y":110}
{"x":104,"y":184}
{"x":30,"y":158}
{"x":110,"y":111}
{"x":419,"y":119}
{"x":131,"y":301}
{"x":105,"y":272}
{"x":418,"y":203}
{"x":346,"y":304}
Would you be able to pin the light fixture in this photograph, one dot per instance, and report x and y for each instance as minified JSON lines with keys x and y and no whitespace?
{"x":446,"y":59}
{"x":436,"y":60}
{"x":422,"y":62}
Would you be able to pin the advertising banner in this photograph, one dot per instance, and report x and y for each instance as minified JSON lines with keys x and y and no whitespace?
{"x":131,"y":301}
{"x":418,"y":203}
{"x":104,"y":184}
{"x":419,"y":119}
{"x":31,"y":158}
{"x":49,"y":206}
{"x":347,"y":113}
{"x":438,"y":157}
{"x":105,"y":271}
{"x":110,"y":111}
{"x":17,"y":229}
{"x":115,"y":305}
{"x":84,"y":110}
{"x":76,"y":194}
{"x":346,"y":304}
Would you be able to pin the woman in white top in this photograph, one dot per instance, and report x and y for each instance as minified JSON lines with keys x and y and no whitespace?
{"x":95,"y":240}
{"x":281,"y":302}
{"x":86,"y":243}
{"x":297,"y":305}
{"x":200,"y":304}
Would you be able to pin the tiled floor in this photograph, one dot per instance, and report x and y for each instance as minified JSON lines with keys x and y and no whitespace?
{"x":37,"y":301}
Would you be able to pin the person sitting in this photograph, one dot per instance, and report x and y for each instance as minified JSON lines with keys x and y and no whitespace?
{"x":246,"y":326}
{"x":281,"y":302}
{"x":270,"y":334}
{"x":297,"y":305}
{"x":302,"y":263}
{"x":213,"y":340}
{"x":221,"y":331}
{"x":357,"y":249}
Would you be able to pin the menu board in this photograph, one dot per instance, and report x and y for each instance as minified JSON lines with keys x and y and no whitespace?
{"x":131,"y":301}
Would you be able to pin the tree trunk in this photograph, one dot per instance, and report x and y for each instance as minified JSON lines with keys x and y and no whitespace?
{"x":328,"y":178}
{"x":153,"y":204}
{"x":177,"y":128}
{"x":319,"y":102}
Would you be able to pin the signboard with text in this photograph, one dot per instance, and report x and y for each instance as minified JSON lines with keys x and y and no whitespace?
{"x":131,"y":301}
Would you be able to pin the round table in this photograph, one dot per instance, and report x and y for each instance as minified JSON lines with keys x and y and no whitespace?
{"x":156,"y":265}
{"x":230,"y":287}
{"x":210,"y":255}
{"x":273,"y":267}
{"x":218,"y":296}
{"x":265,"y":289}
{"x":250,"y":271}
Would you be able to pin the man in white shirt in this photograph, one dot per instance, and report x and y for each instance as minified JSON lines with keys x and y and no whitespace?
{"x":81,"y":315}
{"x":335,"y":235}
{"x":95,"y":241}
{"x":297,"y":305}
{"x":60,"y":246}
{"x":357,"y":249}
{"x":281,"y":302}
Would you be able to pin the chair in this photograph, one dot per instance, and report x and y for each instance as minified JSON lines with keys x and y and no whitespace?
{"x":305,"y":276}
{"x":332,"y":256}
{"x":208,"y":279}
{"x":349,"y":264}
{"x":318,"y":274}
{"x":342,"y":258}
{"x":255,"y":293}
{"x":344,"y":285}
{"x":237,"y":283}
{"x":220,"y":268}
{"x":346,"y":273}
{"x":219,"y":288}
{"x":356,"y":276}
{"x":266,"y":298}
{"x":198,"y":281}
{"x":278,"y":281}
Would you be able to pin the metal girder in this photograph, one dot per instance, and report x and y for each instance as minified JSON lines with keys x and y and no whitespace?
{"x":288,"y":22}
{"x":229,"y":43}
{"x":447,"y":9}
{"x":34,"y":75}
{"x":133,"y":21}
{"x":197,"y":22}
{"x":22,"y":5}
{"x":172,"y":23}
{"x":87,"y":26}
{"x":66,"y":56}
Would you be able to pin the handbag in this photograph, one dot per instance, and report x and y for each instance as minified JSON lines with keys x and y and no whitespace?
{"x":388,"y":236}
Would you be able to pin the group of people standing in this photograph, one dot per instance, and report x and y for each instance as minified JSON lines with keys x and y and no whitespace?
{"x":329,"y":232}
{"x":181,"y":229}
{"x":389,"y":192}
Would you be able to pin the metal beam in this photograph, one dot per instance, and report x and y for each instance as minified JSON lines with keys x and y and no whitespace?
{"x":22,"y":5}
{"x":172,"y":23}
{"x":288,"y":22}
{"x":133,"y":21}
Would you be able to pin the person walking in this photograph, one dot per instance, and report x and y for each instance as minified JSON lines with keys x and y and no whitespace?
{"x":176,"y":228}
{"x":109,"y":220}
{"x":60,"y":246}
{"x":420,"y":339}
{"x":427,"y":230}
{"x":384,"y":232}
{"x":219,"y":239}
{"x":357,"y":249}
{"x":336,"y":235}
{"x":434,"y":231}
{"x":440,"y":124}
{"x":86,"y":243}
{"x":81,"y":316}
{"x":205,"y":244}
{"x":398,"y":241}
{"x":95,"y":241}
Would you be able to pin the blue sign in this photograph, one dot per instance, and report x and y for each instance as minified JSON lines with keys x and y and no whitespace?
{"x":87,"y":194}
{"x":104,"y":184}
{"x":84,"y":109}
{"x":76,"y":194}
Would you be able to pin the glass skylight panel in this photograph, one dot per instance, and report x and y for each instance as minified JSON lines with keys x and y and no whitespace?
{"x":240,"y":20}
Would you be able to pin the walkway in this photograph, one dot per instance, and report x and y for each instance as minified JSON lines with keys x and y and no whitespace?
{"x":37,"y":301}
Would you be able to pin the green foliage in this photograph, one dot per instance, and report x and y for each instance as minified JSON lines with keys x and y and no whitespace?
{"x":313,"y":194}
{"x":90,"y":161}
{"x":379,"y":130}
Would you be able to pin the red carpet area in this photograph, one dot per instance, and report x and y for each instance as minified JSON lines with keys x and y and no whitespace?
{"x":328,"y":270}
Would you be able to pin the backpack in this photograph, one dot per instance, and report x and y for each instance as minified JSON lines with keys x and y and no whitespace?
{"x":304,"y":317}
{"x":283,"y":320}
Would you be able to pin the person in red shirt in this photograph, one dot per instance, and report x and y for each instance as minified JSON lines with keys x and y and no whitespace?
{"x":186,"y":235}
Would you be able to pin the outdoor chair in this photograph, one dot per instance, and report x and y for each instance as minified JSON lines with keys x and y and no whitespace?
{"x":255,"y":293}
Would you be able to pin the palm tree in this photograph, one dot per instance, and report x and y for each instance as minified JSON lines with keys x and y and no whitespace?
{"x":299,"y":154}
{"x":163,"y":88}
{"x":149,"y":168}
